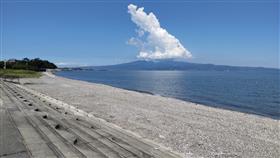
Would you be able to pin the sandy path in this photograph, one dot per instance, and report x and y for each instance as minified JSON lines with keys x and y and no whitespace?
{"x":192,"y":129}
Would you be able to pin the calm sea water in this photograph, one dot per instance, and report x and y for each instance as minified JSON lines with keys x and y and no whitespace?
{"x":251,"y":91}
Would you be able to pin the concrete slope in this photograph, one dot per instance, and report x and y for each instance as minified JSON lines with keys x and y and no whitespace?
{"x":34,"y":125}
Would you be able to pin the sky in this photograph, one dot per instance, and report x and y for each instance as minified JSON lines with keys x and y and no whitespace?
{"x":240,"y":33}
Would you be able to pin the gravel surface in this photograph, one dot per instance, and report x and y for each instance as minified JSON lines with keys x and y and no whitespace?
{"x":188,"y":128}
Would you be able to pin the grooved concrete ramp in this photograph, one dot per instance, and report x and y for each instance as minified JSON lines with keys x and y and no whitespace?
{"x":11,"y":141}
{"x":35,"y":125}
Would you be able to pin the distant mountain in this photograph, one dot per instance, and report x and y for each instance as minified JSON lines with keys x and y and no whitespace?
{"x":168,"y":65}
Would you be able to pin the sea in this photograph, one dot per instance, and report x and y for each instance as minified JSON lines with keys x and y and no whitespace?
{"x":249,"y":91}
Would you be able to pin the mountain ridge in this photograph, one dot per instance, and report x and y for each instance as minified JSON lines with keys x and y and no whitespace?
{"x":169,"y":65}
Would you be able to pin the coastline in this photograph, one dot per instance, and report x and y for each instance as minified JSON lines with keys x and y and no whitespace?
{"x":52,"y":74}
{"x":192,"y":129}
{"x":253,"y":99}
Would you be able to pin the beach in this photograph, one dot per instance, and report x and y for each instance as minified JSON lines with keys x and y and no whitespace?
{"x":191,"y":129}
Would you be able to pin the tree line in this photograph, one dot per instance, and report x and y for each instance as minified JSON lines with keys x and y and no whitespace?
{"x":36,"y":64}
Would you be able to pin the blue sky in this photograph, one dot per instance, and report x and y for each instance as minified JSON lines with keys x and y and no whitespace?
{"x":97,"y":32}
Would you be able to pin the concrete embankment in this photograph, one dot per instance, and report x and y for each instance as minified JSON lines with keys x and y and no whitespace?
{"x":36,"y":125}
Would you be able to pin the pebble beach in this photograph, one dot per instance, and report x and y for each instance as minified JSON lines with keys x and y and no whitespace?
{"x":191,"y":129}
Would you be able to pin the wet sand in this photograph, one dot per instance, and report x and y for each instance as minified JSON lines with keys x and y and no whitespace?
{"x":191,"y":129}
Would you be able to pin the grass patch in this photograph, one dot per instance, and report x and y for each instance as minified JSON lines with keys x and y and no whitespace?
{"x":13,"y":73}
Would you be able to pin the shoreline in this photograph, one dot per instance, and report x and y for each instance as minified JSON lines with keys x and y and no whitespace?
{"x":192,"y":129}
{"x":217,"y":106}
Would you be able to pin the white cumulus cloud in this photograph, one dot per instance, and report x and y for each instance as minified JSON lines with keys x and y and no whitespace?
{"x":153,"y":41}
